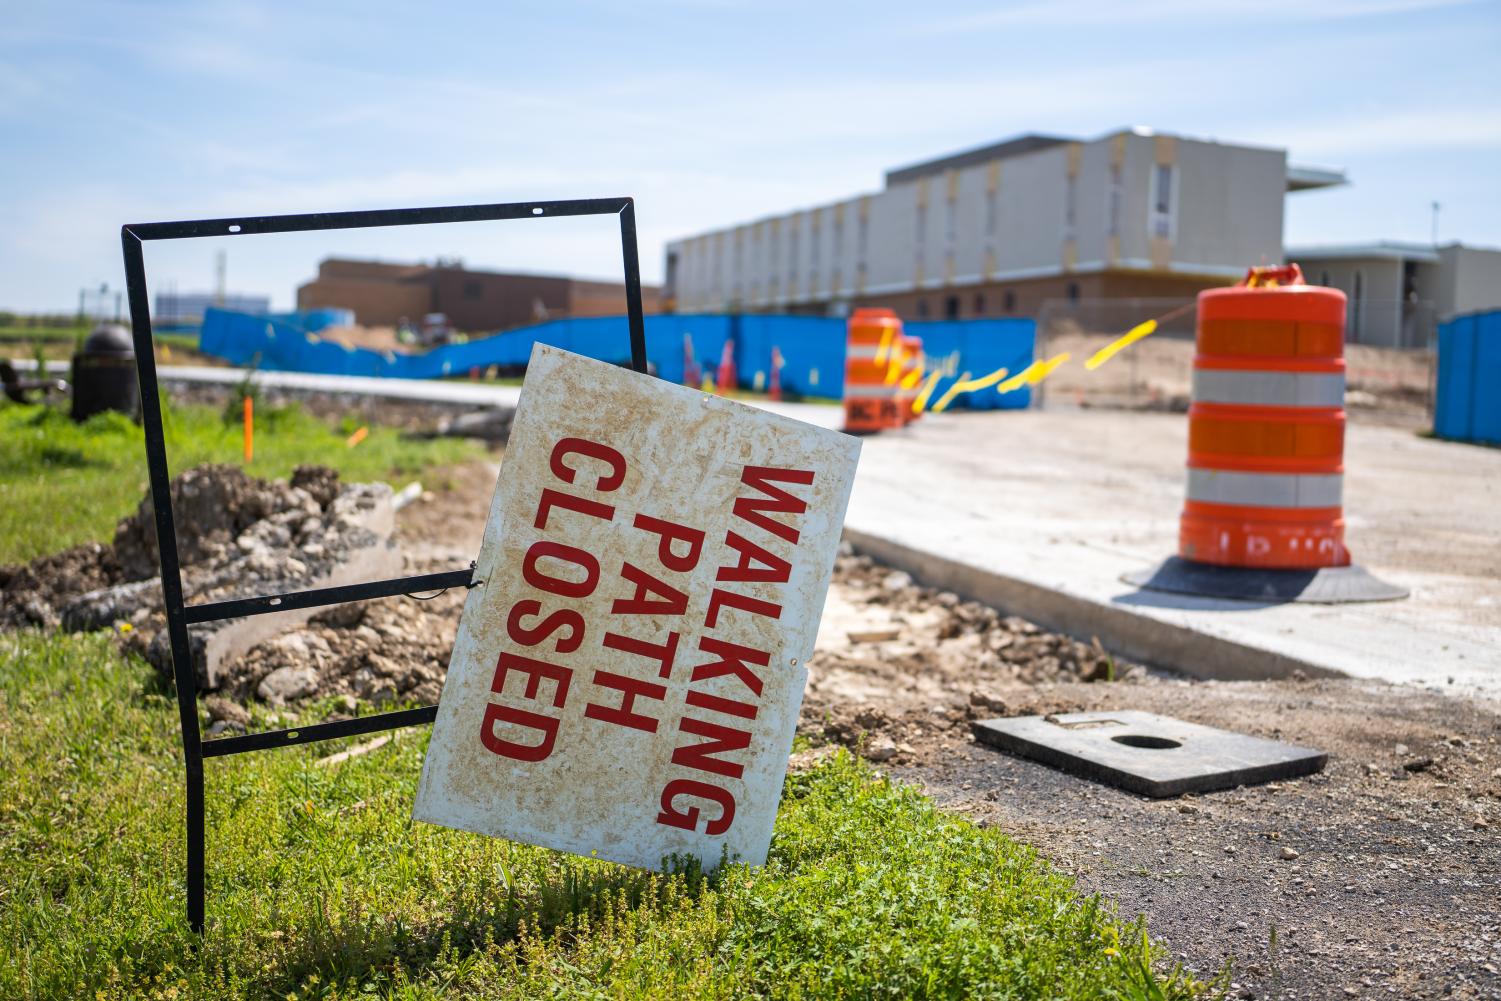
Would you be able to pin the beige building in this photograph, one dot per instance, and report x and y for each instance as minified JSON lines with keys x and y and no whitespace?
{"x":997,"y":230}
{"x":1397,"y":291}
{"x":382,"y":294}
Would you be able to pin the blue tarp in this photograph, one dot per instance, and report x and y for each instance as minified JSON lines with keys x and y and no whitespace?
{"x":1468,"y":400}
{"x":812,"y":349}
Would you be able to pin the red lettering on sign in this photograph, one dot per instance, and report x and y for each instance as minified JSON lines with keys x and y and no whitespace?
{"x":773,"y":569}
{"x":730,"y":707}
{"x":722,"y":740}
{"x":668,"y":601}
{"x":594,"y":450}
{"x":556,"y":498}
{"x":560,"y":585}
{"x":671,"y":533}
{"x":535,"y":671}
{"x":563,"y":618}
{"x":744,"y":602}
{"x":732,"y":660}
{"x":750,"y":508}
{"x":688,"y":819}
{"x":546,"y":725}
{"x":662,"y":653}
{"x":629,"y":688}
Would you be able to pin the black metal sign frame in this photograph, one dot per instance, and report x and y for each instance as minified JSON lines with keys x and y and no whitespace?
{"x":181,"y":616}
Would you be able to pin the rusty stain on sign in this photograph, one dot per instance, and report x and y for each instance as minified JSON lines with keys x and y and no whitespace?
{"x":626,"y":682}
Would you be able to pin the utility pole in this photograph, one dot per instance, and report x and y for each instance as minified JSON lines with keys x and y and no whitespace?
{"x":221,"y":265}
{"x":1436,"y":207}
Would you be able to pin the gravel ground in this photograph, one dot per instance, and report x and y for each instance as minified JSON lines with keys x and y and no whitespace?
{"x":1376,"y":878}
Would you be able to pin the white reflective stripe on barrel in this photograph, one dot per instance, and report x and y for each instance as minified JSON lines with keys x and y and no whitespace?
{"x":1269,"y":389}
{"x":861,"y":392}
{"x":864,"y":352}
{"x":1219,"y":486}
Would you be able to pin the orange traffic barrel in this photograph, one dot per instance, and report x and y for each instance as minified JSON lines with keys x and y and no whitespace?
{"x":908,"y":373}
{"x":870,"y":401}
{"x":1266,"y":428}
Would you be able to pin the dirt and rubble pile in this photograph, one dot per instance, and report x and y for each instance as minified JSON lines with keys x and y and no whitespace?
{"x":898,"y":664}
{"x":236,"y":536}
{"x":377,"y":652}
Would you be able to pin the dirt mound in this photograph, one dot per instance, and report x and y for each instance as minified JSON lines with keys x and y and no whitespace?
{"x":901,"y":669}
{"x":211,"y":505}
{"x":31,"y":594}
{"x":378,"y":652}
{"x":236,"y":534}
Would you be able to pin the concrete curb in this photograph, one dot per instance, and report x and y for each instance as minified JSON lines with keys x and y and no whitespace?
{"x":1129,"y":634}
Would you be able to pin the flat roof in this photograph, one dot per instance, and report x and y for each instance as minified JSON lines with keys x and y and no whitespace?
{"x":1391,"y":250}
{"x":1303,"y":177}
{"x":1014,"y":146}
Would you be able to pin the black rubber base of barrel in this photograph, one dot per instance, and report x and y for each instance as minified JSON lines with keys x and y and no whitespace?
{"x":1327,"y":586}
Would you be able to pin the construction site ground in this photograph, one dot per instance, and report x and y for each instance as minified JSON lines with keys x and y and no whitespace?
{"x":1375,"y":878}
{"x":1043,"y":511}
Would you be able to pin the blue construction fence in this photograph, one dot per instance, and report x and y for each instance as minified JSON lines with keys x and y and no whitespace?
{"x":1467,"y":406}
{"x":811,"y":347}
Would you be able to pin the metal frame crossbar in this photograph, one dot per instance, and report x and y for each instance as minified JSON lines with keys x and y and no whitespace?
{"x":179,"y":615}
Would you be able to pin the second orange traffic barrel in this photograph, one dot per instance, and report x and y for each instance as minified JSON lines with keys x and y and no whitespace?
{"x":908,"y":373}
{"x":1266,"y":429}
{"x":870,"y":402}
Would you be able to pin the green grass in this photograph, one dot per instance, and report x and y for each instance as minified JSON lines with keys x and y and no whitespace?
{"x":320,"y":885}
{"x":22,"y":333}
{"x":63,"y":483}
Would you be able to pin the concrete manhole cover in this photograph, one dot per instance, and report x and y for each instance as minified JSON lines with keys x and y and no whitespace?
{"x":1146,"y":753}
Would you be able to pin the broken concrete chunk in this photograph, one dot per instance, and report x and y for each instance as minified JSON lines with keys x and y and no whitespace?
{"x":286,"y":684}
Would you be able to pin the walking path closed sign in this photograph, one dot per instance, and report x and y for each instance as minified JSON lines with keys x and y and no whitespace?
{"x":627,"y":678}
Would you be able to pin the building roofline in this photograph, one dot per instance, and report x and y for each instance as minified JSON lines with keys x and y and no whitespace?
{"x":1392,"y":250}
{"x":1028,"y":142}
{"x":1306,"y":177}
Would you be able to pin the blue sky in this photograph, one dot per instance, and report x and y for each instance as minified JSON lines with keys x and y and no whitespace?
{"x":707,"y":111}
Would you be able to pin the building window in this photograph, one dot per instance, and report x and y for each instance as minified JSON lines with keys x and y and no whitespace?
{"x":922,"y":233}
{"x":1072,"y":292}
{"x":1115,"y":200}
{"x":979,"y":303}
{"x":755,"y":265}
{"x":951,"y":308}
{"x":1324,"y":278}
{"x":838,"y":236}
{"x":862,"y":241}
{"x":1356,"y":299}
{"x":1070,"y":207}
{"x":813,"y":249}
{"x":922,"y":309}
{"x":950,"y":235}
{"x":1008,"y":302}
{"x":1162,"y":202}
{"x":472,"y":291}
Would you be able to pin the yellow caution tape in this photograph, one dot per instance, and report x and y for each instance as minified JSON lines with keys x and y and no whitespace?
{"x":921,"y":403}
{"x":1122,"y":342}
{"x":964,"y":384}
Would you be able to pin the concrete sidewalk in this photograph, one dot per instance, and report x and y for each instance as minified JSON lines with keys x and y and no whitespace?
{"x":1041,"y":513}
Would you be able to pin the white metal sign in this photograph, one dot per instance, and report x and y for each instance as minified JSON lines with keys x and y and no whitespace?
{"x":626,"y":681}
